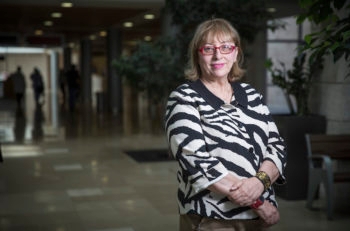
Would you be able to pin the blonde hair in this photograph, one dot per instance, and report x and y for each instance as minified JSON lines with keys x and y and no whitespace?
{"x":207,"y":30}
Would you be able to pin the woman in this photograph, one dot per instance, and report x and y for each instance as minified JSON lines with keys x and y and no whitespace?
{"x":222,"y":135}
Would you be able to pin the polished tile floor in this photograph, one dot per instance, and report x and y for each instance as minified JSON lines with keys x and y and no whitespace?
{"x":69,"y":172}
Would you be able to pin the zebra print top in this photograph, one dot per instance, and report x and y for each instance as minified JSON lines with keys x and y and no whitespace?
{"x":210,"y":139}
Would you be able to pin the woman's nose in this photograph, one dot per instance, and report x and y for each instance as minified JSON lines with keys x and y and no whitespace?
{"x":217,"y":53}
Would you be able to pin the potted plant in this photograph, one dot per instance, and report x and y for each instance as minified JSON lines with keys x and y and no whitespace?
{"x":149,"y":74}
{"x":150,"y":69}
{"x":295,"y":82}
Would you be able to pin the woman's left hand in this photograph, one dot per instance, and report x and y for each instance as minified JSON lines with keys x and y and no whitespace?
{"x":246,"y":191}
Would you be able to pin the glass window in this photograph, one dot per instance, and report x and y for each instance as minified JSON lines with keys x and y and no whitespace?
{"x":281,"y":47}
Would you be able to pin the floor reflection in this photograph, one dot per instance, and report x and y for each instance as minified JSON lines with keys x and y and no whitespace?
{"x":39,"y":118}
{"x":20,"y":125}
{"x":43,"y":122}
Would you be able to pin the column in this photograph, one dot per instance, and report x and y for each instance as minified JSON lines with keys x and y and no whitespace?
{"x":114,"y":82}
{"x":53,"y":87}
{"x":67,"y":59}
{"x":256,"y":72}
{"x":85,"y":72}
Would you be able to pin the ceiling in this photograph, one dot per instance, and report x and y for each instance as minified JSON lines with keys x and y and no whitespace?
{"x":20,"y":19}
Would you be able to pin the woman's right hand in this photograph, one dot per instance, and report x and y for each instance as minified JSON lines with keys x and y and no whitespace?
{"x":268,"y":213}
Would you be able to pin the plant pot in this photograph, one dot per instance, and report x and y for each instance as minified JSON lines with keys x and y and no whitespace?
{"x":293,"y":129}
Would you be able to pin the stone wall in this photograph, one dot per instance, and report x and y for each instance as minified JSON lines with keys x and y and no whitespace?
{"x":330,"y":96}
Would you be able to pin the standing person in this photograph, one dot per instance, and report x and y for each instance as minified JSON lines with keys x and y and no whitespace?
{"x":38,"y":85}
{"x":221,"y":133}
{"x":62,"y":83}
{"x":19,"y":85}
{"x":73,"y":84}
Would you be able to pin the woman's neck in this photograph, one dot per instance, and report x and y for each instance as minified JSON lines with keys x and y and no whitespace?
{"x":221,"y":89}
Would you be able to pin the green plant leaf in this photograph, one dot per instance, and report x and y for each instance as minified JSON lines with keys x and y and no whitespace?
{"x":308,"y":39}
{"x":346,"y":35}
{"x":334,"y":46}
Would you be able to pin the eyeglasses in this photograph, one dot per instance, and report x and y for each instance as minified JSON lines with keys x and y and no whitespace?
{"x":210,"y":50}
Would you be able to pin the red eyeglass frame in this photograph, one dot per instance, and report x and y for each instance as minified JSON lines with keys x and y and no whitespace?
{"x":202,"y":48}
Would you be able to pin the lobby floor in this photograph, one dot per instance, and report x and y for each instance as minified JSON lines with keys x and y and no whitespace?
{"x":70,"y":172}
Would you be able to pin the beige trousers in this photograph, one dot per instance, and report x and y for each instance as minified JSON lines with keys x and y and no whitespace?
{"x":198,"y":223}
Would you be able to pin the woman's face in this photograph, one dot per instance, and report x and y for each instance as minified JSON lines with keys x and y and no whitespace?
{"x":217,"y":65}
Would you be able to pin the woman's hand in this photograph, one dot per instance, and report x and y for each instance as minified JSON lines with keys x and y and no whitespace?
{"x":268,"y":213}
{"x":246,"y":191}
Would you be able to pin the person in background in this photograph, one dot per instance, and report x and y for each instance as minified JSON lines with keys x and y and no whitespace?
{"x":73,"y":83}
{"x":38,"y":86}
{"x":62,"y":83}
{"x":228,"y":148}
{"x":19,"y":85}
{"x":96,"y":89}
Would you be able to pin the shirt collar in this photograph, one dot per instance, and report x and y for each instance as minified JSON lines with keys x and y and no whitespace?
{"x":238,"y":91}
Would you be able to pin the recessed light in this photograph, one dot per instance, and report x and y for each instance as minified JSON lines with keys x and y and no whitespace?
{"x":66,"y":4}
{"x":38,"y":32}
{"x":48,"y":23}
{"x":128,"y":24}
{"x":149,"y":16}
{"x":103,"y":33}
{"x":147,"y":38}
{"x":56,"y":15}
{"x":271,"y":10}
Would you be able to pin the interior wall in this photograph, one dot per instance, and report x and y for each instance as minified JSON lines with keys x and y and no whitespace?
{"x":99,"y":64}
{"x":330,"y":96}
{"x":28,"y":62}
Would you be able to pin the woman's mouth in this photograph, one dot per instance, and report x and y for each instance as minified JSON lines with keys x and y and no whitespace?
{"x":217,"y":65}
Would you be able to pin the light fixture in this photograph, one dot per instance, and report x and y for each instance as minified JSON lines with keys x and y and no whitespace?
{"x":92,"y":37}
{"x":128,"y":24}
{"x":56,"y":15}
{"x":271,"y":10}
{"x":48,"y":23}
{"x":148,"y":16}
{"x":147,"y":38}
{"x":103,"y":33}
{"x":66,"y":4}
{"x":38,"y":32}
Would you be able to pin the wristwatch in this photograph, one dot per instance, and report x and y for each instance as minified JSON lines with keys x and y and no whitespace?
{"x":258,"y":202}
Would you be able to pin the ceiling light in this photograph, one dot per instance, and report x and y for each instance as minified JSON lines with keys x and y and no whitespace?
{"x":103,"y":33}
{"x":147,"y":38}
{"x":38,"y":32}
{"x":92,"y":37}
{"x":67,"y":4}
{"x":149,"y":16}
{"x":48,"y":23}
{"x":128,"y":24}
{"x":271,"y":10}
{"x":56,"y":15}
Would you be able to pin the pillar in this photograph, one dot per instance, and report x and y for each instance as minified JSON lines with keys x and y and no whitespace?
{"x":256,"y":72}
{"x":85,"y":72}
{"x":53,"y":87}
{"x":114,"y":81}
{"x":67,"y":59}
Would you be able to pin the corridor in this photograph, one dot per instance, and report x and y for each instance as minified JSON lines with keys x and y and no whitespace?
{"x":70,"y":172}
